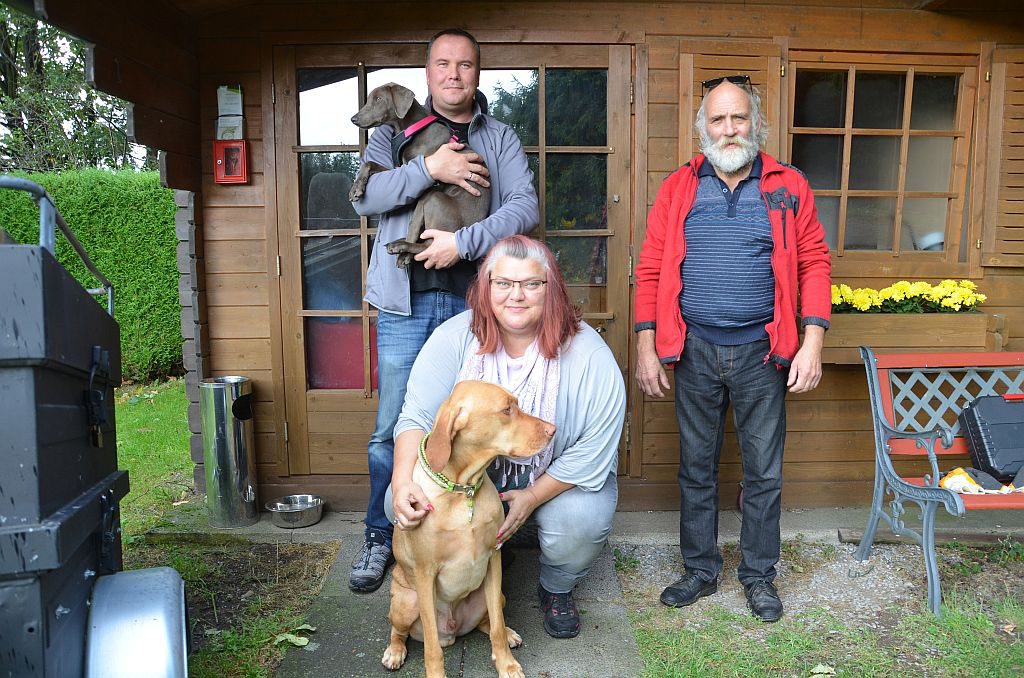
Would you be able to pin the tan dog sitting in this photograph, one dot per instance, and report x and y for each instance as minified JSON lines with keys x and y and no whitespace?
{"x":447,"y":580}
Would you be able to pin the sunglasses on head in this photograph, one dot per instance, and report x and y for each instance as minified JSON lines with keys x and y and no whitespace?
{"x":738,"y":80}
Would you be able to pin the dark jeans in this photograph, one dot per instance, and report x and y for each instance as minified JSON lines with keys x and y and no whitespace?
{"x":708,"y":378}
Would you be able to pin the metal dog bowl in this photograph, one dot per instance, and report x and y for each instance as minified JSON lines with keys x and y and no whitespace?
{"x":296,"y":510}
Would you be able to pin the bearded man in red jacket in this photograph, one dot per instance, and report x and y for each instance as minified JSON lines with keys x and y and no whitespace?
{"x":733,"y":240}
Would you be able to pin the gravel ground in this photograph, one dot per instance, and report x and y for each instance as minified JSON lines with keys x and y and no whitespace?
{"x":812,"y":577}
{"x":822,"y":586}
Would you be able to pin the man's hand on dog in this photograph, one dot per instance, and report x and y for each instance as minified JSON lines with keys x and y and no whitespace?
{"x":449,"y":166}
{"x":521,"y":505}
{"x":410,"y":505}
{"x":442,"y":252}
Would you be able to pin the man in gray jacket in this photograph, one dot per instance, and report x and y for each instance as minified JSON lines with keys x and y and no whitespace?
{"x":413,"y":301}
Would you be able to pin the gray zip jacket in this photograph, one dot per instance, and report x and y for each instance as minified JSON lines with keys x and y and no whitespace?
{"x":393,"y":195}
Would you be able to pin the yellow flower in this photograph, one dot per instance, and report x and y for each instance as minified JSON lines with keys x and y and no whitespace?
{"x":864,"y":299}
{"x":947,"y":294}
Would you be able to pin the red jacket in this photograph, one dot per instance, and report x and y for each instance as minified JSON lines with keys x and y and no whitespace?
{"x":800,"y":260}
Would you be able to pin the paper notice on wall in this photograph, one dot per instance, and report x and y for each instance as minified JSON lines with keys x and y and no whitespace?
{"x":229,"y":112}
{"x":230,"y":127}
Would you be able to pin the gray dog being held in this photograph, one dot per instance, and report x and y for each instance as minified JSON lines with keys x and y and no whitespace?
{"x":444,"y":207}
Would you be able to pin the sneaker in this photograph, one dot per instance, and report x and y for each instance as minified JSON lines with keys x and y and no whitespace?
{"x":764,"y":601}
{"x":370,"y":564}
{"x":688,"y":590}
{"x":561,"y":620}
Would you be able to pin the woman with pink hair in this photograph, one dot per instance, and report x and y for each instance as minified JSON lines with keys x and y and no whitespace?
{"x":522,"y":332}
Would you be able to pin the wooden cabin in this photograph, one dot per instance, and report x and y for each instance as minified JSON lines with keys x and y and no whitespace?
{"x":906,"y":115}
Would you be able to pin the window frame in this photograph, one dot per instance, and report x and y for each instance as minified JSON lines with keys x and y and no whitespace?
{"x":958,"y":258}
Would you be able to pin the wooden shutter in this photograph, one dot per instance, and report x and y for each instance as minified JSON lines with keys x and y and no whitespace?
{"x":701,"y":60}
{"x":1003,"y":239}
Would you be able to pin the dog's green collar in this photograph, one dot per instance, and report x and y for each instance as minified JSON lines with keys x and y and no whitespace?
{"x":445,"y":483}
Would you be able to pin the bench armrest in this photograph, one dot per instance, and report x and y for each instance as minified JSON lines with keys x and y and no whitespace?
{"x":922,"y":439}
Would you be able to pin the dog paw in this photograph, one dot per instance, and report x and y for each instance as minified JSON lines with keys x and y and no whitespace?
{"x":394,"y":657}
{"x":511,"y":670}
{"x":514,"y":639}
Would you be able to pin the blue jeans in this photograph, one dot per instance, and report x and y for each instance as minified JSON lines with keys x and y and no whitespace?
{"x":399,"y":340}
{"x":708,"y":378}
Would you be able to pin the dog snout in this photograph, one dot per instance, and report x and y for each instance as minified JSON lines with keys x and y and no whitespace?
{"x":549,"y":430}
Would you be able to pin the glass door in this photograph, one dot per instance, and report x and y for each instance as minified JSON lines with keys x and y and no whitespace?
{"x":571,"y":109}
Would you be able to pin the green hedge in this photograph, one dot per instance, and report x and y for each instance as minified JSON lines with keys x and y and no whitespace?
{"x":125,"y":221}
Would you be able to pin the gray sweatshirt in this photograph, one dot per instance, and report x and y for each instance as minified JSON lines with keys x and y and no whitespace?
{"x":589,"y":411}
{"x":392,"y":194}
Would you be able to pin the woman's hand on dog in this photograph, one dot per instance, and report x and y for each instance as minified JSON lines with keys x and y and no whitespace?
{"x":410,"y":505}
{"x":449,"y":166}
{"x":521,"y":505}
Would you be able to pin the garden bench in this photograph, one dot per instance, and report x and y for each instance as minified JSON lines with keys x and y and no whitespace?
{"x":915,"y":402}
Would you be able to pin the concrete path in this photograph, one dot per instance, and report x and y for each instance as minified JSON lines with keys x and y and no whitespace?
{"x":352,"y":630}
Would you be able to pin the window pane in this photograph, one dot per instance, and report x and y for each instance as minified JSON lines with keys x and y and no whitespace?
{"x":325,"y":180}
{"x":929,"y":163}
{"x":533,"y":160}
{"x":820,"y":99}
{"x":582,"y":260}
{"x":513,"y":99}
{"x":577,"y":189}
{"x":874,"y":163}
{"x":924,"y":222}
{"x":820,"y":157}
{"x":334,"y":353}
{"x":878,"y":100}
{"x":410,"y":77}
{"x":869,"y":223}
{"x":828,"y":215}
{"x":576,"y":107}
{"x":934,"y":104}
{"x":331,"y":273}
{"x":328,"y":98}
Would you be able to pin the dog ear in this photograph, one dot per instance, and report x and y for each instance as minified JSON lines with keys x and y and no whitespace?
{"x":450,"y":420}
{"x":402,"y":98}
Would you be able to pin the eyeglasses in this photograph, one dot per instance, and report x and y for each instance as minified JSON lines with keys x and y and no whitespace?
{"x":529,"y":286}
{"x":738,"y":80}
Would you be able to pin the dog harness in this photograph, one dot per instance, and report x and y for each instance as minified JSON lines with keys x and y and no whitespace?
{"x":399,"y":141}
{"x":443,"y":480}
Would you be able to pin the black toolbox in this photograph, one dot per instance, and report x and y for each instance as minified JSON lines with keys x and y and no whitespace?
{"x":60,"y":359}
{"x":994,"y":429}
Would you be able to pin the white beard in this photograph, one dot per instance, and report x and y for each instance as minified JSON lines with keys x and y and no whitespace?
{"x":729,"y":161}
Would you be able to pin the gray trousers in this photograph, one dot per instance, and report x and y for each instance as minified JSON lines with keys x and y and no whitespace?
{"x":572,"y":529}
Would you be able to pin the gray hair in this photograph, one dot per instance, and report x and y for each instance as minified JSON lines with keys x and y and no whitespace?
{"x":758,"y":123}
{"x":519,"y":247}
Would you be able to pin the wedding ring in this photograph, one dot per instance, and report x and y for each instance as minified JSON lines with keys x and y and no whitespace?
{"x":471,"y":175}
{"x":395,"y":522}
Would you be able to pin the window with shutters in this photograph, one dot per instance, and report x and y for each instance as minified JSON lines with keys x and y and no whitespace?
{"x":885,"y":146}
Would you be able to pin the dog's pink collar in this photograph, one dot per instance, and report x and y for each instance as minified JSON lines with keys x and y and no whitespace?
{"x":420,"y":124}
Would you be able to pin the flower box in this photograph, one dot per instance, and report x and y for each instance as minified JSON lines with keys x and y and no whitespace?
{"x":911,"y":333}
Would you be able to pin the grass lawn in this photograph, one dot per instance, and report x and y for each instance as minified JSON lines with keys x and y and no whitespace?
{"x":829,"y":634}
{"x":246,"y":601}
{"x":152,"y":444}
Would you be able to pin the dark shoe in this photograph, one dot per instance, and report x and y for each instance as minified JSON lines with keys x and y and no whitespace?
{"x":370,"y":564}
{"x":688,"y":591}
{"x":763,"y":600}
{"x":561,"y":620}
